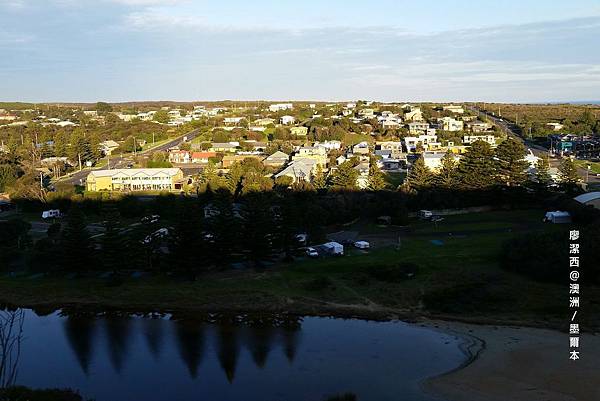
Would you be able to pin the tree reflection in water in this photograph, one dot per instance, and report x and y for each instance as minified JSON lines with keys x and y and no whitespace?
{"x":228,"y":348}
{"x":11,"y":336}
{"x":117,"y":335}
{"x":80,"y":331}
{"x":190,"y":341}
{"x":259,"y":335}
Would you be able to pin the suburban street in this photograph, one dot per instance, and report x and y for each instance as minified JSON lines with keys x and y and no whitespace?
{"x":78,"y":178}
{"x":535,"y":149}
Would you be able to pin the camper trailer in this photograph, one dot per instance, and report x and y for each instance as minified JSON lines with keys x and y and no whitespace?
{"x":557,"y":217}
{"x":334,"y":248}
{"x":51,"y":214}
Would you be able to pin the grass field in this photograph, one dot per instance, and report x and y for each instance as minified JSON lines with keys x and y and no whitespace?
{"x":457,"y":276}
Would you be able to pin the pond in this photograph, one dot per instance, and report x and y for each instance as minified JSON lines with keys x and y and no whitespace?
{"x":125,"y":358}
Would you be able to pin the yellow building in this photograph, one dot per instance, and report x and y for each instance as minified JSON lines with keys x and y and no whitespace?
{"x":136,"y":179}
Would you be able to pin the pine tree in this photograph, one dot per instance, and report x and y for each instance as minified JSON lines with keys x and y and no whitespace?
{"x":511,"y":165}
{"x":257,"y":227}
{"x":344,"y":177}
{"x":113,"y":246}
{"x":476,"y":168}
{"x":319,"y":180}
{"x":187,"y":245}
{"x":446,"y":178}
{"x":543,"y":171}
{"x":76,"y":244}
{"x":376,"y":177}
{"x":420,"y":176}
{"x":567,"y":172}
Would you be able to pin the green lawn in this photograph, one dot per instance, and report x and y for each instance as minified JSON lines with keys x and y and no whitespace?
{"x":394,"y":179}
{"x":460,"y":276}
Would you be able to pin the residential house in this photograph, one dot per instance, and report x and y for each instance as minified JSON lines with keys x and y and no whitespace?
{"x":411,"y":142}
{"x":454,"y":109}
{"x":263,"y":122}
{"x":415,"y":114}
{"x":280,"y":107}
{"x":229,"y":160}
{"x":555,"y":126}
{"x":450,"y":124}
{"x":366,"y":113}
{"x":287,"y":120}
{"x":202,"y":157}
{"x":329,"y":145}
{"x":417,"y":127}
{"x":362,"y":180}
{"x":232,"y":120}
{"x":179,"y":156}
{"x":361,"y":148}
{"x":277,"y":159}
{"x":299,"y":131}
{"x":317,"y":153}
{"x":394,"y":148}
{"x":230,"y":147}
{"x":300,"y":170}
{"x":107,"y":147}
{"x":433,"y":160}
{"x":138,"y":179}
{"x":469,"y":139}
{"x":479,"y":126}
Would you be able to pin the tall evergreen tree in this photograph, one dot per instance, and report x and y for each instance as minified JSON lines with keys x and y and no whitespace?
{"x":257,"y":227}
{"x":511,"y":165}
{"x":376,"y":177}
{"x":344,"y":177}
{"x":187,"y":246}
{"x":319,"y":180}
{"x":113,"y":244}
{"x":543,"y":171}
{"x":446,"y":177}
{"x":476,"y":168}
{"x":567,"y":172}
{"x":76,"y":243}
{"x":420,"y":176}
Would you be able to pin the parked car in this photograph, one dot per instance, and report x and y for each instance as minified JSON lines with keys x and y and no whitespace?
{"x":151,"y":219}
{"x":425,"y":214}
{"x":362,"y":245}
{"x":312,"y":252}
{"x":50,"y":214}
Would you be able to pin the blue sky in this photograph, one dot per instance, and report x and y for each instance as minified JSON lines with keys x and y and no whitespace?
{"x":122,"y":50}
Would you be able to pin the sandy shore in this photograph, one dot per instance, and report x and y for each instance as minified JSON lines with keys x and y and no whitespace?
{"x":520,"y":364}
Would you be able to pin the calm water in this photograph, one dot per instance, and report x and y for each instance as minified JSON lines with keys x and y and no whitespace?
{"x":135,"y":358}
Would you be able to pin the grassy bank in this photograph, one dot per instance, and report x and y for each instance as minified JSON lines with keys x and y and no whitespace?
{"x":458,"y":275}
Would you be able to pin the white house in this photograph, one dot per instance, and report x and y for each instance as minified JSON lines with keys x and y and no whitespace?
{"x":280,"y":107}
{"x":287,"y":120}
{"x":469,"y":139}
{"x":450,"y":124}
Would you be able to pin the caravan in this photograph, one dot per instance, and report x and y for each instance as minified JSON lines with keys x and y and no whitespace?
{"x":51,"y":214}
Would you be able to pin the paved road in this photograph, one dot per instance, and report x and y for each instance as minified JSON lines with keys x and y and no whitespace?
{"x":123,"y":161}
{"x":537,"y":150}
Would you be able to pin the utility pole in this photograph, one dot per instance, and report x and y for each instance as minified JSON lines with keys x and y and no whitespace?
{"x":134,"y":147}
{"x":41,"y":181}
{"x":79,"y":156}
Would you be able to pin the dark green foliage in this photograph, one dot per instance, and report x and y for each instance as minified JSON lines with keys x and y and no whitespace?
{"x":545,"y":257}
{"x":476,"y":169}
{"x":319,"y":284}
{"x":420,"y":176}
{"x":394,"y":274}
{"x":187,"y":243}
{"x":344,"y":177}
{"x":511,"y":166}
{"x":114,"y":244}
{"x":75,"y":243}
{"x":258,"y":227}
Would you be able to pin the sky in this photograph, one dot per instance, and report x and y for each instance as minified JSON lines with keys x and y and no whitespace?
{"x":330,"y":50}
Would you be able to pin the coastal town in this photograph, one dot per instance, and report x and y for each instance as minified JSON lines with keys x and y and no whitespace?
{"x":297,"y":144}
{"x":299,"y":201}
